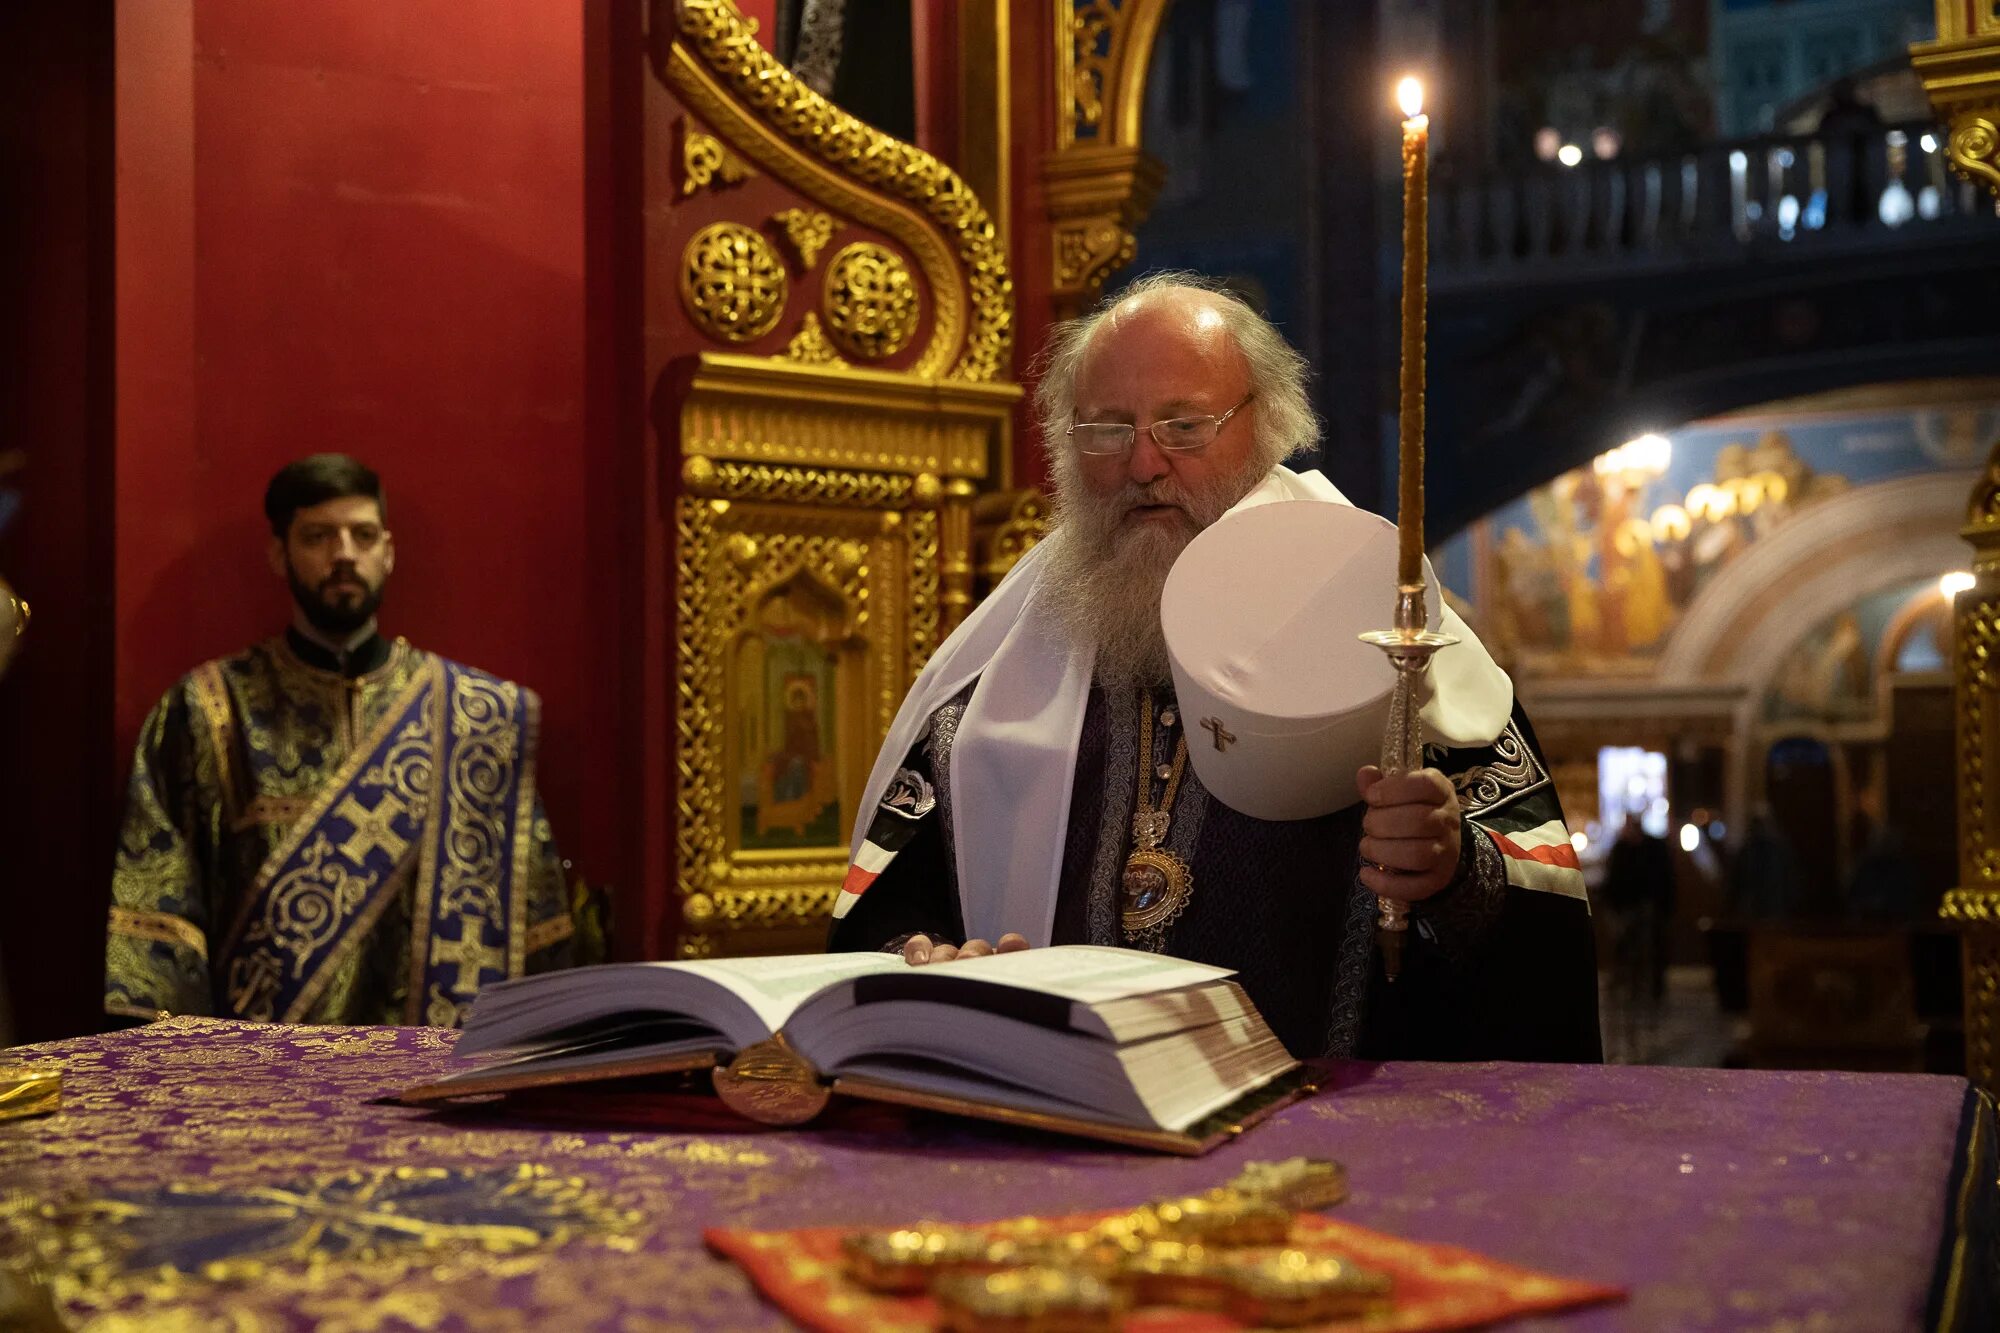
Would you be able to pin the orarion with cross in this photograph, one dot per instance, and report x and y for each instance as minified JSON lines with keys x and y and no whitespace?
{"x":468,"y":952}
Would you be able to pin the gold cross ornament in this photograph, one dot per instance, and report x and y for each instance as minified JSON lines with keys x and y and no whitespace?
{"x":1223,"y":737}
{"x":468,"y":952}
{"x":372,"y":828}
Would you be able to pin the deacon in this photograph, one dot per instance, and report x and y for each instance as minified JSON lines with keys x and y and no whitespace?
{"x":332,"y":827}
{"x":1069,"y":769}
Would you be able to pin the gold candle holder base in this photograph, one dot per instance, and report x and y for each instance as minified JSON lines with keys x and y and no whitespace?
{"x":1409,"y":647}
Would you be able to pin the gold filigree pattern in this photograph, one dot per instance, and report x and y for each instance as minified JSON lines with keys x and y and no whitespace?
{"x":1093,"y":38}
{"x":705,"y":161}
{"x":803,"y":139}
{"x":809,"y":344}
{"x":1961,"y":73}
{"x":732,"y":283}
{"x":1099,"y":182}
{"x":1008,"y":525}
{"x":869,"y":301}
{"x":1972,"y":147}
{"x":1974,"y":906}
{"x":759,"y":481}
{"x":774,"y":410}
{"x":926,"y":576}
{"x":1089,"y":252}
{"x":1103,"y":51}
{"x":808,"y":230}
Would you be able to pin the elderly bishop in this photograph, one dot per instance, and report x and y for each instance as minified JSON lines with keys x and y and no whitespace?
{"x":1043,"y":785}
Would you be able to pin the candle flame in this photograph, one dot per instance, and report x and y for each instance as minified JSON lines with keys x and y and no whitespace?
{"x":1410,"y":96}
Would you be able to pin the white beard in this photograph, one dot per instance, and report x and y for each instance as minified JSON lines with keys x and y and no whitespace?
{"x":1102,"y":577}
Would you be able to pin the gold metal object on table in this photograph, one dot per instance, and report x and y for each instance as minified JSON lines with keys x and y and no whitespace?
{"x":29,"y":1090}
{"x":1224,"y":1249}
{"x":1303,"y":1184}
{"x":1029,"y":1300}
{"x":1409,"y":647}
{"x":909,"y":1260}
{"x":771,"y":1084}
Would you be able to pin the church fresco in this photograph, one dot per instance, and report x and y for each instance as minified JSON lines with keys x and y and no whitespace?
{"x":1832,"y":674}
{"x":1591,"y":573}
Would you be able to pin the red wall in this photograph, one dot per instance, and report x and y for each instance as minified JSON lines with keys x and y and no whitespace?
{"x":357,"y":227}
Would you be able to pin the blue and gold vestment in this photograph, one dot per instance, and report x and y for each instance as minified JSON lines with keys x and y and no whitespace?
{"x":304,"y":846}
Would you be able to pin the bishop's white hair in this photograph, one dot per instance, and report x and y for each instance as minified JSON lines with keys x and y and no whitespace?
{"x":1278,"y":374}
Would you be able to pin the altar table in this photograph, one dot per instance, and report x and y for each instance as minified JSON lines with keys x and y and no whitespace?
{"x":204,"y":1173}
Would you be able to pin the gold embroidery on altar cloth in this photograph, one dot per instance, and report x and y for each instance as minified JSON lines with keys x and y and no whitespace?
{"x":173,"y":1242}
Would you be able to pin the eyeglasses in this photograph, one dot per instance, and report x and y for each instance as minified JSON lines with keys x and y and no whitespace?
{"x":1177,"y":435}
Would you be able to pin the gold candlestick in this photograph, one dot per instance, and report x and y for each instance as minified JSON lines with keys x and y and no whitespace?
{"x":1410,"y":644}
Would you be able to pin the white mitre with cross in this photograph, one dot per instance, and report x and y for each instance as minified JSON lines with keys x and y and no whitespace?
{"x":1284,"y":702}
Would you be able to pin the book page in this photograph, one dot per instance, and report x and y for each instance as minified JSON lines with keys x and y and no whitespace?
{"x":1086,"y":973}
{"x":776,"y":985}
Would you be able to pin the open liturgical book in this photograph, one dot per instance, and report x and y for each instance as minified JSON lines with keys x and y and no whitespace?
{"x":1115,"y":1044}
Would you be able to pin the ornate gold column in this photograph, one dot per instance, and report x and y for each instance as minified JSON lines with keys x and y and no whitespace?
{"x":1961,"y":72}
{"x":1974,"y":906}
{"x":1098,"y":181}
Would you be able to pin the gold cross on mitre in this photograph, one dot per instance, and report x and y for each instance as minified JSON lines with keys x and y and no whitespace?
{"x":372,"y":828}
{"x":469,"y":953}
{"x":1223,"y":737}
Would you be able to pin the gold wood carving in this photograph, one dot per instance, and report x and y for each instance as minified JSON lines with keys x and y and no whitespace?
{"x":778,"y":411}
{"x":1961,"y":72}
{"x":1007,"y":525}
{"x":1099,"y":183}
{"x":704,"y":161}
{"x":869,"y":301}
{"x":722,"y":72}
{"x":755,"y":481}
{"x":808,"y":230}
{"x":809,"y":344}
{"x":1974,"y":906}
{"x":732,"y":284}
{"x":1103,"y":50}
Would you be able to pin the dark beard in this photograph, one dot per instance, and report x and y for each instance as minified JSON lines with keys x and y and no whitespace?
{"x":335,"y":621}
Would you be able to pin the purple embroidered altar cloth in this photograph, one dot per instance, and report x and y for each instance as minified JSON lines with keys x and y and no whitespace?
{"x":223,"y":1170}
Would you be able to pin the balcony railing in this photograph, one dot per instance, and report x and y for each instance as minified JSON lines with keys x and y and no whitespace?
{"x":1770,"y":196}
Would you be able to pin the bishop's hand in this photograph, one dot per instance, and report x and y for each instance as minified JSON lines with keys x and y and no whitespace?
{"x":921,"y":949}
{"x":1409,"y":833}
